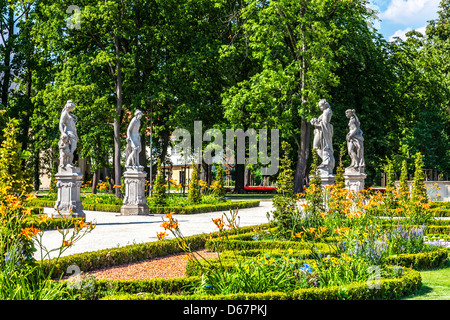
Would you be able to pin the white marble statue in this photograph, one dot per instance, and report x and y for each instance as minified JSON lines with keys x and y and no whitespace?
{"x":323,"y":138}
{"x":69,"y":138}
{"x":355,"y":142}
{"x":134,"y":142}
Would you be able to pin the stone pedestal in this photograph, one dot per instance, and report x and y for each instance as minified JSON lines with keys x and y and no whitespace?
{"x":134,"y":202}
{"x":326,"y":178}
{"x":68,"y":183}
{"x":354,"y":179}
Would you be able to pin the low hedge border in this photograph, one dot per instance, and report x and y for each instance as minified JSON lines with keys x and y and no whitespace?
{"x":200,"y":208}
{"x":106,"y":258}
{"x":157,"y":285}
{"x":53,"y":223}
{"x":220,"y":245}
{"x":396,"y":288}
{"x":436,"y":212}
{"x":420,"y":261}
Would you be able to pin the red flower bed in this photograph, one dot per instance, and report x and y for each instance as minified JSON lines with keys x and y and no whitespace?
{"x":259,"y":188}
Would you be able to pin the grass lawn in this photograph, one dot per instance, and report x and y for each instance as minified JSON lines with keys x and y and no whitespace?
{"x":250,"y":196}
{"x":435,"y":285}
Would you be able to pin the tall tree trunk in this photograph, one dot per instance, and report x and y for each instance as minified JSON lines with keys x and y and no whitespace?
{"x":119,"y":95}
{"x":303,"y":154}
{"x":36,"y":165}
{"x":7,"y":60}
{"x":239,"y":182}
{"x":246,"y":174}
{"x":95,"y":180}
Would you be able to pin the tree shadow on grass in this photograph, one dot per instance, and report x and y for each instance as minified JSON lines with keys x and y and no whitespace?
{"x":423,"y":291}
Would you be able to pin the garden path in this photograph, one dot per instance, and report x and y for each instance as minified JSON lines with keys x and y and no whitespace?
{"x":114,"y":230}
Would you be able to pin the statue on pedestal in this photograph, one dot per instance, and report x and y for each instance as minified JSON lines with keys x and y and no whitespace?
{"x":135,"y":201}
{"x":69,"y":177}
{"x":355,"y":143}
{"x":323,"y":138}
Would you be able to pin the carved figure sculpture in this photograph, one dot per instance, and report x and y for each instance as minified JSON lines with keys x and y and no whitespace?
{"x":323,"y":138}
{"x":355,"y":142}
{"x":69,"y":138}
{"x":133,"y":141}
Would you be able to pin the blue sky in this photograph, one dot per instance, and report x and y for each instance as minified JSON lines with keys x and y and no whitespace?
{"x":400,"y":16}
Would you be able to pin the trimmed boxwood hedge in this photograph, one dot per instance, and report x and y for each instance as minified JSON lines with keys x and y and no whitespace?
{"x":199,"y":208}
{"x":156,"y":285}
{"x":54,"y":223}
{"x":395,"y":288}
{"x":420,"y":261}
{"x":220,"y":245}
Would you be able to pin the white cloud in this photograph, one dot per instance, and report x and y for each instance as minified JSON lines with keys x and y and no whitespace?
{"x":402,"y":33}
{"x":408,"y":12}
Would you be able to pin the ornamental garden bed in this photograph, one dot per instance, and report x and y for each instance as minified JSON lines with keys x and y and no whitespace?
{"x":398,"y":273}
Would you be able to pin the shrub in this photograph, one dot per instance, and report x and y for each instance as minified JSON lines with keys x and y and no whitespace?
{"x":419,"y":192}
{"x":13,"y":178}
{"x":159,"y":194}
{"x":219,"y":190}
{"x":194,"y":191}
{"x":403,"y":187}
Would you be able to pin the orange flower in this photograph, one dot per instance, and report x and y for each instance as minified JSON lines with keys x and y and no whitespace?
{"x":166,"y":225}
{"x":30,"y":197}
{"x":169,"y":215}
{"x":161,"y":235}
{"x":322,"y":229}
{"x":67,"y":243}
{"x":341,"y":231}
{"x":78,"y":225}
{"x":298,"y":234}
{"x":219,"y":223}
{"x":30,"y":232}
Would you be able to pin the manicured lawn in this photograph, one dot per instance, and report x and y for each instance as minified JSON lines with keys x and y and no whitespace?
{"x":435,"y":285}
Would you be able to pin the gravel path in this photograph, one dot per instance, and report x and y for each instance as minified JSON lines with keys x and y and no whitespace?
{"x":172,"y":266}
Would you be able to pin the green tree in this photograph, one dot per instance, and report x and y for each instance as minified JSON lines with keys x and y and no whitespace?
{"x":284,"y":202}
{"x":390,"y":174}
{"x":194,"y":194}
{"x":159,"y":193}
{"x":293,"y":43}
{"x":404,"y":187}
{"x":340,"y":183}
{"x":13,"y":179}
{"x":219,"y":191}
{"x":419,"y":192}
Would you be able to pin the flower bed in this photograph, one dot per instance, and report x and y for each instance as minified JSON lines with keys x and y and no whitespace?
{"x":260,"y":189}
{"x":388,"y":289}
